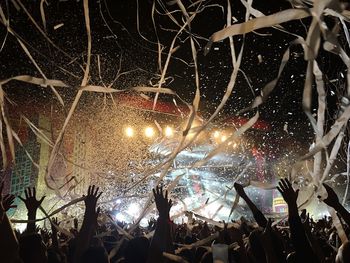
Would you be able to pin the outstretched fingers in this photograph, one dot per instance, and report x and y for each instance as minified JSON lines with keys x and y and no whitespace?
{"x":26,"y":193}
{"x":96,"y":191}
{"x":170,"y":203}
{"x":279,"y":189}
{"x":282,"y":185}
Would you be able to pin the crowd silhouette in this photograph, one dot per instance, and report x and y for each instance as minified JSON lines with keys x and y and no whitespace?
{"x":298,"y":239}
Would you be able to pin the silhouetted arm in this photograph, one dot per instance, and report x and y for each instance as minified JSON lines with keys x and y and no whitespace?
{"x":32,"y":205}
{"x":332,"y":200}
{"x":258,"y":215}
{"x":161,"y":241}
{"x":9,"y":248}
{"x":89,"y":222}
{"x":298,"y":235}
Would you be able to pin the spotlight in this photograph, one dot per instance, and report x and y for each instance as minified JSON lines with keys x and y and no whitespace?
{"x":223,"y":138}
{"x":216,"y":134}
{"x":168,"y":131}
{"x":149,"y":132}
{"x":129,"y":132}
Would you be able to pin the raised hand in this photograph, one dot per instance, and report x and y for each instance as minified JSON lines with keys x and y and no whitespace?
{"x":162,"y":240}
{"x":91,"y":200}
{"x":287,"y":191}
{"x":332,"y":199}
{"x":8,"y":241}
{"x":162,"y":202}
{"x":89,"y":222}
{"x":32,"y":204}
{"x":7,"y":202}
{"x":258,"y":215}
{"x":54,"y":223}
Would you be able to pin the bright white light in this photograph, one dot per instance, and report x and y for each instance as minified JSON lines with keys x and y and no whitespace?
{"x":120,"y":217}
{"x":144,"y":222}
{"x":223,"y":138}
{"x":168,"y":132}
{"x":118,"y":201}
{"x":133,"y":209}
{"x":20,"y":227}
{"x":216,"y":134}
{"x":129,"y":132}
{"x":149,"y":132}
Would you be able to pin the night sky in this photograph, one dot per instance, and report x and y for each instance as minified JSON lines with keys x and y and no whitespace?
{"x":115,"y":36}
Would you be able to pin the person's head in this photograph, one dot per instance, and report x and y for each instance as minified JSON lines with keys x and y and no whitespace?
{"x":32,"y":249}
{"x":343,"y":254}
{"x":95,"y":255}
{"x":136,"y":251}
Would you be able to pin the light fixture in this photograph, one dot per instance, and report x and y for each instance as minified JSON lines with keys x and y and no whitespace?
{"x":168,"y":131}
{"x":216,"y":134}
{"x":149,"y":132}
{"x":129,"y":132}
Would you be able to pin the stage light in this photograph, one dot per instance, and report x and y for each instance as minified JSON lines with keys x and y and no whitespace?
{"x":216,"y":134}
{"x":223,"y":138}
{"x":129,"y":132}
{"x":149,"y":132}
{"x":168,"y":131}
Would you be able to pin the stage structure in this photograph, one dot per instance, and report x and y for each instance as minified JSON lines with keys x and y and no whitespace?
{"x":146,"y":141}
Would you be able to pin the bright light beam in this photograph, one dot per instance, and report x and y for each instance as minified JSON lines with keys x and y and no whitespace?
{"x":149,"y":132}
{"x":129,"y":132}
{"x":168,"y":132}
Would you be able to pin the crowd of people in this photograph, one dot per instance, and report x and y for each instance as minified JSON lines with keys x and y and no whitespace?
{"x":297,"y":239}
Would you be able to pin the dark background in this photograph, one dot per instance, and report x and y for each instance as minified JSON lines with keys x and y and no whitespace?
{"x":115,"y":36}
